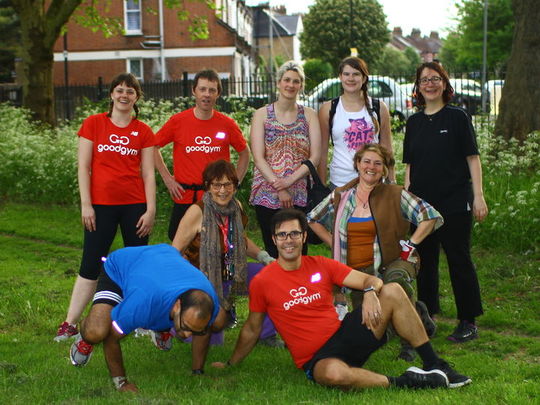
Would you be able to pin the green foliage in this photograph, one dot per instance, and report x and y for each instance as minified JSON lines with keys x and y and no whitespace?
{"x":316,"y":71}
{"x":328,"y":35}
{"x":462,"y":49}
{"x":391,"y":63}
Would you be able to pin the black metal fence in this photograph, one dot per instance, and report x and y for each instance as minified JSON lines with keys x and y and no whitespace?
{"x":258,"y":91}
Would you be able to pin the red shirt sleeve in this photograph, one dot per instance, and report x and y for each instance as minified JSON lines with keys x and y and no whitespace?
{"x":166,"y":134}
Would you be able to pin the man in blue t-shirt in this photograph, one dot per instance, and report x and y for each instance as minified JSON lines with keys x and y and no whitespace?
{"x":150,"y":287}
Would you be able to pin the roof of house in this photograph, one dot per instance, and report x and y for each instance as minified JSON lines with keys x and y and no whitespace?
{"x":283,"y":25}
{"x":423,"y":44}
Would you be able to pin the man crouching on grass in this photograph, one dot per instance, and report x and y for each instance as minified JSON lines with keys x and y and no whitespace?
{"x":296,"y":292}
{"x":151,"y":287}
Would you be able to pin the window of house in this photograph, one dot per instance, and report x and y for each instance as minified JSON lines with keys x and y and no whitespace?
{"x":132,"y":17}
{"x":135,"y":67}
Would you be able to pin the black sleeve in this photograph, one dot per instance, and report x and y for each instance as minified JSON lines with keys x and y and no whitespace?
{"x":467,"y":133}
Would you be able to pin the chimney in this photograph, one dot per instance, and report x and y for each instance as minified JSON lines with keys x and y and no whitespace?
{"x":415,"y":33}
{"x":398,"y":31}
{"x":434,"y":35}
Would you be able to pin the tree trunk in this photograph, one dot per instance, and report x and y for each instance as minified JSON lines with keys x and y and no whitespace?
{"x":41,"y":24}
{"x":519,"y":108}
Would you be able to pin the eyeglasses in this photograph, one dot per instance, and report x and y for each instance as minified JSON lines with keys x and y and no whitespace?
{"x":217,"y":186}
{"x":184,"y":328}
{"x":284,"y":235}
{"x":433,"y":80}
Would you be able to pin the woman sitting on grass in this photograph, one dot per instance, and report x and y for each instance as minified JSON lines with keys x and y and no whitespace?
{"x":369,"y":223}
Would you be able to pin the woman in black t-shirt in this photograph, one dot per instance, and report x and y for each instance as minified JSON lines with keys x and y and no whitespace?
{"x":443,"y":168}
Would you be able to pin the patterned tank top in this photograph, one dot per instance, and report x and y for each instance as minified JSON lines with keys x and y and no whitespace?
{"x":286,"y":146}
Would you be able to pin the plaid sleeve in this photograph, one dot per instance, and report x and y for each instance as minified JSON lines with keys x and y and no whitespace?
{"x":323,"y":213}
{"x":416,"y":210}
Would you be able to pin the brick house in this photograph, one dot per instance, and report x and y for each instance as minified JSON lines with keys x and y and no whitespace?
{"x":229,"y":49}
{"x":285,"y":35}
{"x":427,"y":47}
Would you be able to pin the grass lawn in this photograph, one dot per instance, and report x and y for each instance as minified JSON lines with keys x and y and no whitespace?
{"x":40,"y":250}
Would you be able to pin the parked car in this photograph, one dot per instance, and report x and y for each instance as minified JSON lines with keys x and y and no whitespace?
{"x":408,"y":90}
{"x":468,"y":94}
{"x":382,"y":87}
{"x":494,"y":90}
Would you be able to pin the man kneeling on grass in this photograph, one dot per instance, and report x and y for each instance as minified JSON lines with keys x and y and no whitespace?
{"x":151,"y":287}
{"x":296,"y":291}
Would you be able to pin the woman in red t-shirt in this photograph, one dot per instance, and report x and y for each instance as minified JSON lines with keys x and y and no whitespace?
{"x":117,"y":187}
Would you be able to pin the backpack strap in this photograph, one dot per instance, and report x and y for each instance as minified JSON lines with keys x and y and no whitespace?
{"x":376,"y":108}
{"x":333,"y":107}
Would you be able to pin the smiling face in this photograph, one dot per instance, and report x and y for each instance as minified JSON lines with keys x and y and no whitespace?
{"x":124,"y":97}
{"x":206,"y":94}
{"x":431,"y":90}
{"x":370,"y":168}
{"x":289,"y":85}
{"x":351,"y":79}
{"x":289,"y":248}
{"x":222,"y":190}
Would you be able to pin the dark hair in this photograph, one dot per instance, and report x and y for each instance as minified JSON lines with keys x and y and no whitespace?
{"x":209,"y":74}
{"x":216,"y":170}
{"x":130,"y":81}
{"x":197,"y":299}
{"x":388,"y":160}
{"x":448,"y":92}
{"x":289,"y":214}
{"x":361,"y":65}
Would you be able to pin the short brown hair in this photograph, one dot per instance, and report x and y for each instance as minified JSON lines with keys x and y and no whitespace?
{"x":388,"y":160}
{"x":448,"y":92}
{"x":209,"y":74}
{"x":216,"y":170}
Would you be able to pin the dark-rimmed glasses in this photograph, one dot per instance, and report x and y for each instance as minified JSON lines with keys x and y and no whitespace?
{"x":284,"y":235}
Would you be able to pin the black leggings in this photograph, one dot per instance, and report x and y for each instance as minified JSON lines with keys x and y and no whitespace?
{"x":264,"y":218}
{"x":97,"y":243}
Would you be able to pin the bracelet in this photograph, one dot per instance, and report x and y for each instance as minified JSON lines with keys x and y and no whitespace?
{"x":370,"y":288}
{"x":414,"y":245}
{"x":119,"y":382}
{"x":197,"y":371}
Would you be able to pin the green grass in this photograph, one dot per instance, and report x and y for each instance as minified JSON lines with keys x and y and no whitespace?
{"x":39,"y":259}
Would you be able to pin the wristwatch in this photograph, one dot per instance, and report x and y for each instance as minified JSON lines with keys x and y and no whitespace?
{"x":370,"y":288}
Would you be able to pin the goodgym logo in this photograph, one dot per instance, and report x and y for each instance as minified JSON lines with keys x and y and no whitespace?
{"x":299,"y":296}
{"x":117,"y":144}
{"x":203,"y":144}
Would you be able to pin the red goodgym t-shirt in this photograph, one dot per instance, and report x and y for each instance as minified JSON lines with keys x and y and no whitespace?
{"x":116,"y":159}
{"x":300,"y":302}
{"x":197,"y":143}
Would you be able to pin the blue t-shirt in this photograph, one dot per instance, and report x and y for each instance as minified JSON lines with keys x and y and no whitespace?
{"x":151,"y":279}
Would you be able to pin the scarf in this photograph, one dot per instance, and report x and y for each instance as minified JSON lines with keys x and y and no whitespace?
{"x":210,"y":255}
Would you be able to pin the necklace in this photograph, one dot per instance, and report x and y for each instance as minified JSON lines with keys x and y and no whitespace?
{"x":365,"y":203}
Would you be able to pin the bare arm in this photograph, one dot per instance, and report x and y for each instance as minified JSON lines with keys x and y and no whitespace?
{"x":146,"y":222}
{"x":175,"y":189}
{"x":88,"y":216}
{"x":242,"y":164}
{"x":321,"y":232}
{"x":385,"y":137}
{"x":407,"y":181}
{"x":189,"y":227}
{"x":423,"y":229}
{"x":480,"y":209}
{"x":247,"y":339}
{"x":371,"y":307}
{"x":324,"y":113}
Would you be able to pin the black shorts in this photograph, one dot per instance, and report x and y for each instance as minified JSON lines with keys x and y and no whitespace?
{"x":107,"y":291}
{"x":352,"y":343}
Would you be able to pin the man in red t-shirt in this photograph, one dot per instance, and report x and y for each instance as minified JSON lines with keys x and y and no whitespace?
{"x":200,"y":135}
{"x":296,"y":292}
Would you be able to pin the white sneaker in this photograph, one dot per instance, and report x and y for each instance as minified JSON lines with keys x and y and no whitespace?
{"x":341,"y":310}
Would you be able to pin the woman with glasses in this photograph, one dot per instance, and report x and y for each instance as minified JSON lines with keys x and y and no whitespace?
{"x":116,"y":185}
{"x":212,"y":236}
{"x":443,"y":167}
{"x":351,"y":121}
{"x":283,"y":135}
{"x":366,"y":223}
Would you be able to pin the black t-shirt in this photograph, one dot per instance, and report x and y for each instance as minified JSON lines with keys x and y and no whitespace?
{"x":436,"y":146}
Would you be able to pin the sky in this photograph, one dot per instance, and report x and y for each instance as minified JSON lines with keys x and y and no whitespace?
{"x":427,"y":15}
